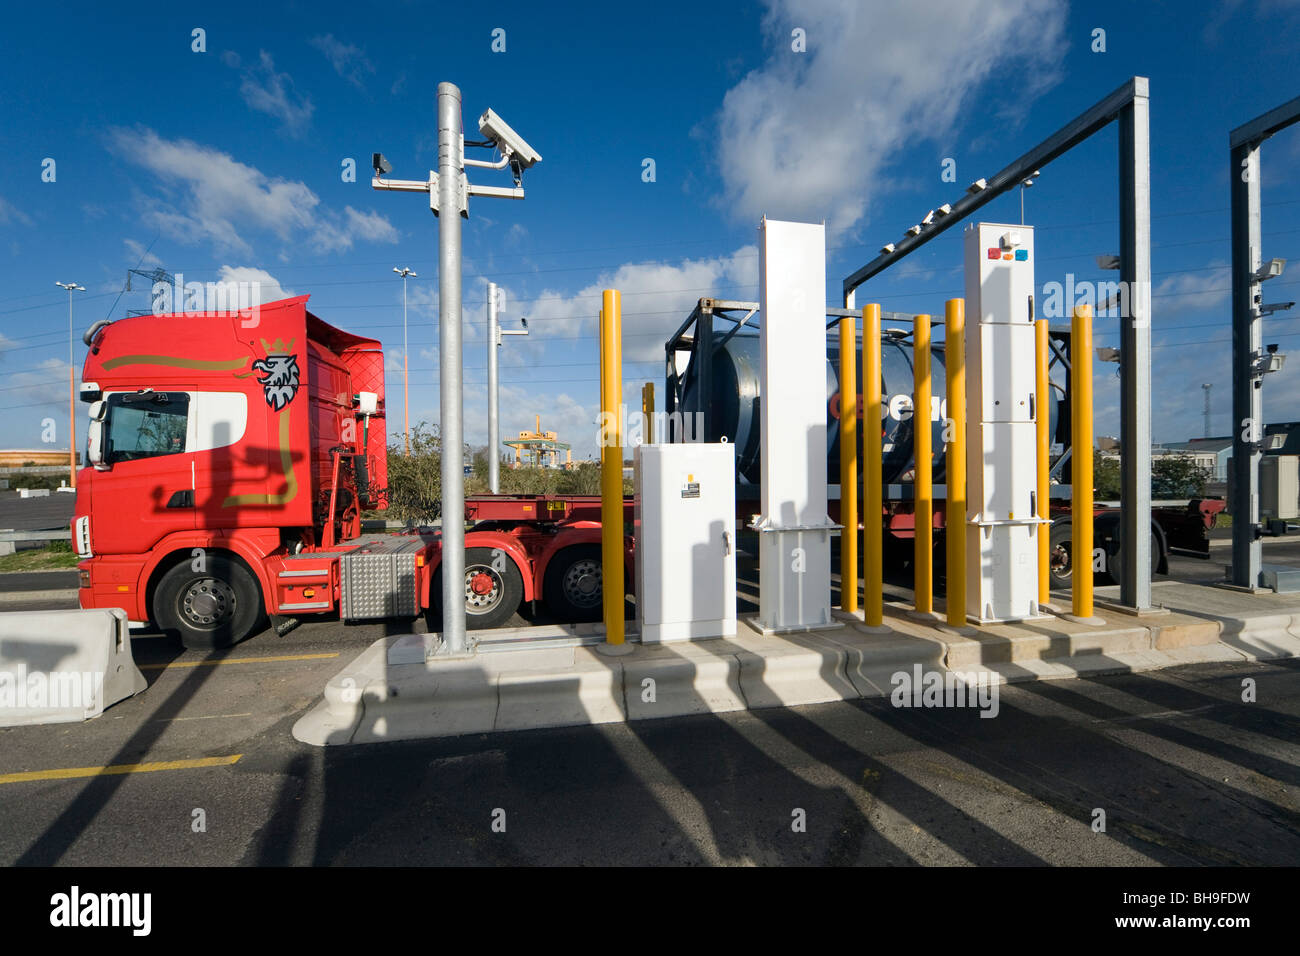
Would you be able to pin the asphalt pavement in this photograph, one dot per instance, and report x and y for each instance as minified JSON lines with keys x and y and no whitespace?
{"x":1182,"y":771}
{"x":36,"y":514}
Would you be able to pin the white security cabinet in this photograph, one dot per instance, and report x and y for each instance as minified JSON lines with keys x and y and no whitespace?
{"x":1004,"y":380}
{"x":1003,"y":561}
{"x":1001,"y":441}
{"x":685,"y":510}
{"x":998,"y":489}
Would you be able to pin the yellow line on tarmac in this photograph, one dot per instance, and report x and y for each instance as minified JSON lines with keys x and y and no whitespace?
{"x":71,"y":773}
{"x":239,"y":660}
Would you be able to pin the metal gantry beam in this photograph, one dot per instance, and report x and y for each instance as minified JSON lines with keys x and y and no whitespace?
{"x":1062,"y":141}
{"x":1247,"y":337}
{"x":1129,"y":106}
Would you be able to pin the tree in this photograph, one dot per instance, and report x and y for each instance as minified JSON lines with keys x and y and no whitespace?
{"x":415,"y":483}
{"x":1177,"y":476}
{"x":1105,"y":478}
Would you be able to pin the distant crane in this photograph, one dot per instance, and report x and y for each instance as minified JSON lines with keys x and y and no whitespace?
{"x":1207,"y":386}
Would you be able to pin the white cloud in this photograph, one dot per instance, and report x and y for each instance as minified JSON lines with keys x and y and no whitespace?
{"x":252,"y":286}
{"x":216,"y":192}
{"x":1191,"y":291}
{"x":270,"y":92}
{"x":809,"y":135}
{"x":656,"y":298}
{"x":369,"y":225}
{"x":140,"y":255}
{"x":349,"y":62}
{"x":11,"y":213}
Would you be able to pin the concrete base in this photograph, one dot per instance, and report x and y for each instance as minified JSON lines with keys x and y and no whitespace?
{"x":560,"y":680}
{"x":614,"y":650}
{"x":1092,"y":621}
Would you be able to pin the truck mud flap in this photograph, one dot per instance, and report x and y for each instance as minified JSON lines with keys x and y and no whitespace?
{"x":62,"y":666}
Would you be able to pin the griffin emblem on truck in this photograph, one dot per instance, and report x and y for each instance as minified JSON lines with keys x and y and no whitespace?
{"x":280,"y":378}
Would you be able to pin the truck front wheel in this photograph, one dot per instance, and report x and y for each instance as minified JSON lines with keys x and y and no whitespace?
{"x":212,"y":608}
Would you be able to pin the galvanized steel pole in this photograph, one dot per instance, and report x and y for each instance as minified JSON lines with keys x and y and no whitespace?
{"x":450,"y":392}
{"x":1135,"y":348}
{"x":494,"y":432}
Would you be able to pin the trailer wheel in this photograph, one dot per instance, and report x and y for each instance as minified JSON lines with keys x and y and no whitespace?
{"x":573,"y":585}
{"x":216,"y":607}
{"x":493,"y":588}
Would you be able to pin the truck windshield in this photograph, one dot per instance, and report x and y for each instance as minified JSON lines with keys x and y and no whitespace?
{"x":145,"y":425}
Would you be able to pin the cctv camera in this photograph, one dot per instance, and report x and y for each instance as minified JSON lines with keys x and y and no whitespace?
{"x":380,"y":165}
{"x":508,"y":141}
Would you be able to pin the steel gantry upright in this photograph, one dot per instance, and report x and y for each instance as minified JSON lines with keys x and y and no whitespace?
{"x":1127,"y":106}
{"x":1249,"y":362}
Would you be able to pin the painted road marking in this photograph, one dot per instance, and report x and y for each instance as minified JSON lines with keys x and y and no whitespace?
{"x":172,"y":720}
{"x":240,"y":660}
{"x":72,"y":773}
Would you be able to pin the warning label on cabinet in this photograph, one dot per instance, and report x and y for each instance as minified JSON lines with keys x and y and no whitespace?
{"x":691,"y":489}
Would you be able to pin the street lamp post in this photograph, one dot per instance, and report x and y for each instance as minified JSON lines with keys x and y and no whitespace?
{"x":406,"y":387}
{"x":71,"y":287}
{"x":494,"y":427}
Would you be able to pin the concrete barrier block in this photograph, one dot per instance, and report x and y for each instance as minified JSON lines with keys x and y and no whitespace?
{"x":678,"y":679}
{"x":587,"y":692}
{"x":1263,"y":637}
{"x":800,"y":672}
{"x":60,"y":666}
{"x":1183,"y":631}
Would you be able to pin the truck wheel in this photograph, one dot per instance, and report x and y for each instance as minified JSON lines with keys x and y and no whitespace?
{"x":1060,"y":561}
{"x":573,"y":584}
{"x":216,"y":607}
{"x":493,"y":592}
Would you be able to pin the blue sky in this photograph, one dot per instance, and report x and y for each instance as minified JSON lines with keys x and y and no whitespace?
{"x":227,"y":164}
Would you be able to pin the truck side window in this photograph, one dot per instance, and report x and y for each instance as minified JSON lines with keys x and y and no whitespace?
{"x":146,"y":425}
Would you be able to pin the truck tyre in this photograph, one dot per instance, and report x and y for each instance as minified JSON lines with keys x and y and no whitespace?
{"x":572,"y":588}
{"x":1060,"y":561}
{"x":209,"y":609}
{"x":494,"y":588}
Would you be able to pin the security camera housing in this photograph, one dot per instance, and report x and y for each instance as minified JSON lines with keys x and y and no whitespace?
{"x":380,"y":165}
{"x":508,"y":141}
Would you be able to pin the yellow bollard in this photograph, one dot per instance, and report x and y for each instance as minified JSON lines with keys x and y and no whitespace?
{"x":922,"y":491}
{"x":648,"y":413}
{"x":1042,"y":396}
{"x":1081,"y":457}
{"x":955,"y":517}
{"x":611,"y":466}
{"x":848,"y":464}
{"x":872,"y":473}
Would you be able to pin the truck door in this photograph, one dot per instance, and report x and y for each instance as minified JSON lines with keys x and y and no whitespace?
{"x":148,"y":491}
